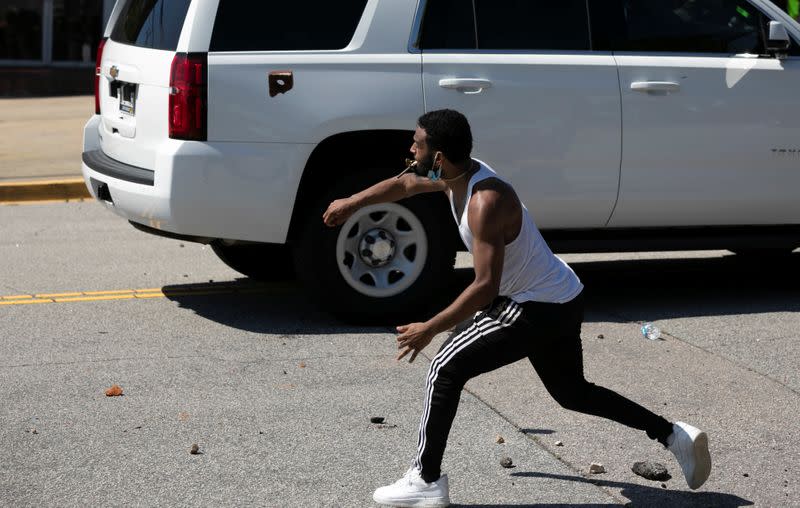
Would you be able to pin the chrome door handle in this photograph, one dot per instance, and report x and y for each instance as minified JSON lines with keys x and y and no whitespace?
{"x":469,"y":86}
{"x":655,"y":86}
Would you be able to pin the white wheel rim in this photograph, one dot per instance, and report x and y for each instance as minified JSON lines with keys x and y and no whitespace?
{"x":410,"y":253}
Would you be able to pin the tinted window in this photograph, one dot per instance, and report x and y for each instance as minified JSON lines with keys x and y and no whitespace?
{"x":718,"y":26}
{"x":532,"y":24}
{"x":448,"y":24}
{"x":285,"y":26}
{"x":607,"y":24}
{"x":152,"y":24}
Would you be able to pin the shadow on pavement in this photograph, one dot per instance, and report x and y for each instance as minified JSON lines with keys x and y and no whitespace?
{"x":648,"y":290}
{"x":642,"y":495}
{"x":625,"y":290}
{"x":541,"y":505}
{"x":276,"y":308}
{"x":537,"y":431}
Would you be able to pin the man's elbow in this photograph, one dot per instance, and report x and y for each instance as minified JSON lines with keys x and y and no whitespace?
{"x":487,"y":291}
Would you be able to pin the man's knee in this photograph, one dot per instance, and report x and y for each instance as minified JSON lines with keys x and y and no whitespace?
{"x":449,"y":376}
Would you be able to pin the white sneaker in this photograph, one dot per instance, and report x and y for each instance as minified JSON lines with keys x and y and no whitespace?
{"x":690,"y":447}
{"x":412,"y":490}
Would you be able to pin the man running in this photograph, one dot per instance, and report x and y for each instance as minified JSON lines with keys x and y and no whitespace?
{"x":525,"y":302}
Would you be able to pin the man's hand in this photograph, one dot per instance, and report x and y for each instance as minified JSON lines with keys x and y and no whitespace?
{"x":413,"y":338}
{"x":338,"y":212}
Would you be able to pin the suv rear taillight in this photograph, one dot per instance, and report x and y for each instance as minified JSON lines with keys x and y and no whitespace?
{"x":188,"y":96}
{"x":97,"y":76}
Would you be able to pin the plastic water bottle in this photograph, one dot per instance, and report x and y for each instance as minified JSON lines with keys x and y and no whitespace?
{"x":651,"y":331}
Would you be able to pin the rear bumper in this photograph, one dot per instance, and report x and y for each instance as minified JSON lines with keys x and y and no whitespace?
{"x":101,"y":163}
{"x":237,"y":191}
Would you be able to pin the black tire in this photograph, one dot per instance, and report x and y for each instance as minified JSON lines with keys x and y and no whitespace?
{"x":317,"y":263}
{"x":260,"y":261}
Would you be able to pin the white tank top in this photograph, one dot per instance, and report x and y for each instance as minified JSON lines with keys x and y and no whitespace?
{"x":531,"y":272}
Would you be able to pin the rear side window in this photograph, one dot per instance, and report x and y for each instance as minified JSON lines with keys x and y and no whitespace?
{"x":285,"y":26}
{"x":722,"y":26}
{"x":506,"y":25}
{"x":154,"y":24}
{"x":532,"y":24}
{"x":448,"y":24}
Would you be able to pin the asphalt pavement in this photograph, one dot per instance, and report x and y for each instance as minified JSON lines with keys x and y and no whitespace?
{"x":278,"y":395}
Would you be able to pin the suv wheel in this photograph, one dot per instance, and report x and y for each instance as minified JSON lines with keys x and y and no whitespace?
{"x":260,"y":261}
{"x":389,"y":261}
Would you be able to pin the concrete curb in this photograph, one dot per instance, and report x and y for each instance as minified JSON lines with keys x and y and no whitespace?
{"x":43,"y":190}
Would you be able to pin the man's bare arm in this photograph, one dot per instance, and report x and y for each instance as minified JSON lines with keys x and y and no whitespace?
{"x":387,"y":191}
{"x":487,"y":223}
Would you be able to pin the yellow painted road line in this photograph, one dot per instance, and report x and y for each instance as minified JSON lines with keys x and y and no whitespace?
{"x":111,"y":292}
{"x":25,"y":302}
{"x":94,"y":298}
{"x":131,"y":294}
{"x":150,"y":295}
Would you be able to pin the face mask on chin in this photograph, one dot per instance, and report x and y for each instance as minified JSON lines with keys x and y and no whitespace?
{"x":425,"y":168}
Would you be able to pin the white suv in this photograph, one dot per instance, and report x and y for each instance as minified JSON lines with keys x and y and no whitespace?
{"x":623,"y":124}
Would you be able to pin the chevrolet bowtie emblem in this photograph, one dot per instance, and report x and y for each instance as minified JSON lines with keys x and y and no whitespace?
{"x":114,"y":71}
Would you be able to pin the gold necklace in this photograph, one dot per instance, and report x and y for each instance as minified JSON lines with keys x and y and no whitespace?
{"x":455,"y":177}
{"x":459,"y":176}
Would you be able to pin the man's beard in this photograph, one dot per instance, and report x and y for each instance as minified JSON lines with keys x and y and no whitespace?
{"x":425,"y":166}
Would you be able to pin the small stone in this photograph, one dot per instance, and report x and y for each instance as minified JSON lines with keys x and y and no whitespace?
{"x":195,"y":449}
{"x":506,"y":462}
{"x":499,"y":440}
{"x":302,"y":365}
{"x":663,"y":485}
{"x":596,"y":468}
{"x":181,"y":246}
{"x":284,"y":372}
{"x":601,"y":336}
{"x":559,"y":443}
{"x":746,"y":475}
{"x":651,"y":471}
{"x":377,"y":419}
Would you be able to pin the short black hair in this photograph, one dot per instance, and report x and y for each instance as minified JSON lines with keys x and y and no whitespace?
{"x":448,"y":132}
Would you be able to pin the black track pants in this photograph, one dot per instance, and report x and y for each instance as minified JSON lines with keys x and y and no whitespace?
{"x":548,"y":334}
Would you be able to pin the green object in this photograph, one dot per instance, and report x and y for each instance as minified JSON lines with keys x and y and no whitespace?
{"x":794,"y":8}
{"x":743,"y":12}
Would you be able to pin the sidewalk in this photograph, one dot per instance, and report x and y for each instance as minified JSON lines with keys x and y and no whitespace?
{"x":40,"y":147}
